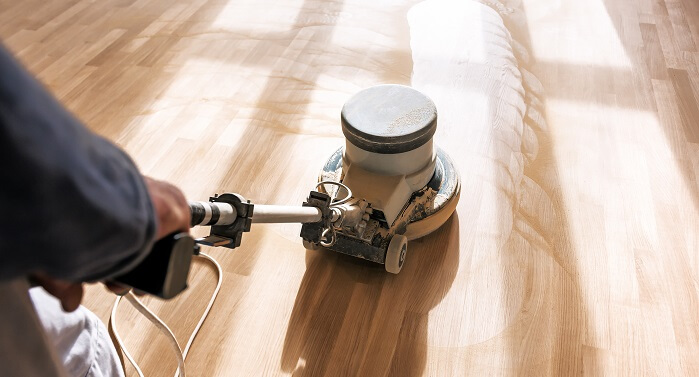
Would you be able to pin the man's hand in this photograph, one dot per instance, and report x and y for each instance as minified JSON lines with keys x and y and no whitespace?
{"x":69,"y":293}
{"x":172,"y":214}
{"x":171,"y":207}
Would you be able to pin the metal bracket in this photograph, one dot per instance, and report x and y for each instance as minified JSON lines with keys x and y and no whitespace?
{"x":231,"y":235}
{"x":373,"y":248}
{"x":312,"y":232}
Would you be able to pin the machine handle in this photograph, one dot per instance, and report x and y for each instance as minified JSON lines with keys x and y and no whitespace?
{"x":165,"y":269}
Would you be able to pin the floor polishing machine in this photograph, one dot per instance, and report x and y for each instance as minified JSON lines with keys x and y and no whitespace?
{"x":388,"y":185}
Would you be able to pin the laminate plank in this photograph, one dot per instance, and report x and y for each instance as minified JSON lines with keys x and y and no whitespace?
{"x":655,"y":57}
{"x":687,"y":103}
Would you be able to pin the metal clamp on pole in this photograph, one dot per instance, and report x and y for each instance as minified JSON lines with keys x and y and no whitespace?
{"x":229,"y":215}
{"x":313,"y":232}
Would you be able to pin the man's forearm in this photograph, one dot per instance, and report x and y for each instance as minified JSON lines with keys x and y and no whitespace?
{"x":73,"y":204}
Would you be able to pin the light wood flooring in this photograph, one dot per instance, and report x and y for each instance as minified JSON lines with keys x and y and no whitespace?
{"x":588,"y":265}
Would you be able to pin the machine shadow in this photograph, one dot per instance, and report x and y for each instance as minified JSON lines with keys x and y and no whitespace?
{"x":351,"y":317}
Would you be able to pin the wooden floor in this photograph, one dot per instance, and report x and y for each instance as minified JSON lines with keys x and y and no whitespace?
{"x":578,"y":254}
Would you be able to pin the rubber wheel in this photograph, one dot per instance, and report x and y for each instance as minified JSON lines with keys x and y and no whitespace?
{"x":395,"y":255}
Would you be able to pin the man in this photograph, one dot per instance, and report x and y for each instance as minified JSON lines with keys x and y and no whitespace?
{"x":73,"y":208}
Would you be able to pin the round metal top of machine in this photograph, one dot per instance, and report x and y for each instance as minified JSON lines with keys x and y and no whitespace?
{"x":389,"y":119}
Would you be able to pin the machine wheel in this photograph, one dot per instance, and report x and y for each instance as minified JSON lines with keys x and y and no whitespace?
{"x":395,"y":255}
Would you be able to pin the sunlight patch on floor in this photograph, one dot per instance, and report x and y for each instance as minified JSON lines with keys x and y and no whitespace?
{"x":589,"y":37}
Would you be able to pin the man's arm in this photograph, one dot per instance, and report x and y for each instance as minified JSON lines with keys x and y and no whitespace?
{"x":72,"y":204}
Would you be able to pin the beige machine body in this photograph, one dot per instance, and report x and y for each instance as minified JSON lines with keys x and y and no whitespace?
{"x":388,"y":181}
{"x":395,"y":184}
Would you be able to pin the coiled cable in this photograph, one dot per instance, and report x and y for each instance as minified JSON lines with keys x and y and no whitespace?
{"x":180,"y":354}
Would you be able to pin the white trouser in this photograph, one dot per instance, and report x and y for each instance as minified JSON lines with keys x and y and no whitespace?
{"x":80,"y":339}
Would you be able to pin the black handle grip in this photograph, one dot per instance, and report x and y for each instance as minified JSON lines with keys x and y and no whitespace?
{"x":165,"y":270}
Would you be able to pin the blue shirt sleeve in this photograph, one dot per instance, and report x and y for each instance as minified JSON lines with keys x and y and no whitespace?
{"x":72,"y":204}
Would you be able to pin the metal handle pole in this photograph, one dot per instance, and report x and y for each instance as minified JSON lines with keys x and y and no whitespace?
{"x":285,"y":214}
{"x":219,"y":213}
